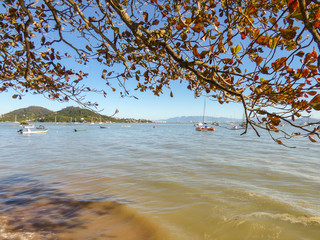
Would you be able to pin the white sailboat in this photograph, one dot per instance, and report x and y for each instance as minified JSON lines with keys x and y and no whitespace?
{"x":15,"y":119}
{"x":202,"y":126}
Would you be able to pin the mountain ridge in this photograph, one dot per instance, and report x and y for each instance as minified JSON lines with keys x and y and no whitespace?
{"x":68,"y":114}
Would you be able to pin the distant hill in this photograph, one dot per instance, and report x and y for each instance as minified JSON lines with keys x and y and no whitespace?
{"x":68,"y":114}
{"x":27,"y":113}
{"x":199,"y":119}
{"x":185,"y":119}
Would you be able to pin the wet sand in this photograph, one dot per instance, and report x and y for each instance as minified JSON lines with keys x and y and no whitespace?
{"x":31,"y":211}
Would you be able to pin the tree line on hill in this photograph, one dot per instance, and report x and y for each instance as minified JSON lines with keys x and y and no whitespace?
{"x":68,"y":114}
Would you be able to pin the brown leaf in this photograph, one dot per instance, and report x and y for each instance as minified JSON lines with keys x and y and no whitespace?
{"x":258,"y":60}
{"x":315,"y":102}
{"x":288,"y":34}
{"x":312,"y":139}
{"x":145,"y":16}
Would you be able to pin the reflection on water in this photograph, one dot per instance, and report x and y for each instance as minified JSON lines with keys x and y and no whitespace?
{"x":31,"y":210}
{"x":169,"y":182}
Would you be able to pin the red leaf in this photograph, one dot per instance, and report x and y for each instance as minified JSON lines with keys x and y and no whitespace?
{"x":243,"y":35}
{"x":300,"y":54}
{"x":292,"y":5}
{"x":317,"y":15}
{"x":312,"y":93}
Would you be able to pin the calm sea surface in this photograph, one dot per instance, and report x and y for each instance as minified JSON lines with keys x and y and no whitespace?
{"x":164,"y":183}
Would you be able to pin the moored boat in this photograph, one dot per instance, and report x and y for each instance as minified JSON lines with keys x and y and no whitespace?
{"x":203,"y":127}
{"x":27,"y":130}
{"x":80,"y":130}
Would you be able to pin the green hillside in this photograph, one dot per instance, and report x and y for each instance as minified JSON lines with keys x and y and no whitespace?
{"x":25,"y":114}
{"x":68,"y":114}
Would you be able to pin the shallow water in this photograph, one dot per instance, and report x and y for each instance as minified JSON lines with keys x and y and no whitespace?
{"x":167,"y":182}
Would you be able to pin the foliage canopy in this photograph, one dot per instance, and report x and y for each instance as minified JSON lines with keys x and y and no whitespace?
{"x":261,"y":53}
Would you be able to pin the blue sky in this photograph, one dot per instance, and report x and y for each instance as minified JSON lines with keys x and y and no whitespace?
{"x":147,"y":106}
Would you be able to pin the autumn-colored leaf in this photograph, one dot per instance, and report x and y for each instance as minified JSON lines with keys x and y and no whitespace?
{"x":197,"y":28}
{"x":304,"y":73}
{"x":227,"y":61}
{"x":293,"y":5}
{"x":251,"y":10}
{"x":145,"y":16}
{"x":288,"y":33}
{"x":262,"y":40}
{"x":237,"y":49}
{"x":317,"y":15}
{"x":155,"y":22}
{"x":89,"y":48}
{"x":312,"y":139}
{"x":183,"y":36}
{"x":264,"y":70}
{"x":195,"y":52}
{"x":258,"y":60}
{"x":274,"y":120}
{"x":312,"y":93}
{"x":315,"y":102}
{"x":279,"y":63}
{"x":300,"y":54}
{"x":243,"y":35}
{"x":203,"y":54}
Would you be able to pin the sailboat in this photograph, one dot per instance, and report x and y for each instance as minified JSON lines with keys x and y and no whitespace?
{"x":202,"y":126}
{"x":15,"y":119}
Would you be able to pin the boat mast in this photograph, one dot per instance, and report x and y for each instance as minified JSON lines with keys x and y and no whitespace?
{"x":204,"y":109}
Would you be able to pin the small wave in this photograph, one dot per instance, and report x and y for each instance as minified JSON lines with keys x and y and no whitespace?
{"x":304,"y":220}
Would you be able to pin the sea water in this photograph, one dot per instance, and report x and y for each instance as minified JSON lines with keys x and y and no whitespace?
{"x":156,"y":181}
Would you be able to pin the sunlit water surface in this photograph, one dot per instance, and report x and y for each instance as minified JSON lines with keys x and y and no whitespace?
{"x":162,"y":182}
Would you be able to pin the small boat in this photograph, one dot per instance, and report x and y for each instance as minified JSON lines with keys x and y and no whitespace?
{"x":203,"y":127}
{"x":40,"y":127}
{"x":27,"y":130}
{"x":125,"y":126}
{"x":104,"y":126}
{"x":80,"y":130}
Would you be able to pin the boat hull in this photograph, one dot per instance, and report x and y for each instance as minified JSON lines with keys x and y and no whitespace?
{"x":33,"y":132}
{"x":205,"y":129}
